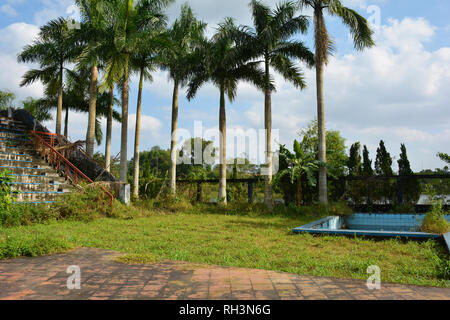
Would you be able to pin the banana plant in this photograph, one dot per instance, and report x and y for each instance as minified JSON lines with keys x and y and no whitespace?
{"x":301,"y":163}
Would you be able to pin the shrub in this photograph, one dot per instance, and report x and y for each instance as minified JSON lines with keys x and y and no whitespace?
{"x":20,"y":215}
{"x":83,"y":204}
{"x":172,"y":203}
{"x":6,"y":193}
{"x":434,"y":221}
{"x":30,"y":245}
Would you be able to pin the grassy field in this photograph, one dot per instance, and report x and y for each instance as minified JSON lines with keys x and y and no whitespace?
{"x":200,"y":235}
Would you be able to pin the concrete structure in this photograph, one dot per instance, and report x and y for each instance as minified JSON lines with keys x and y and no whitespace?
{"x":36,"y":181}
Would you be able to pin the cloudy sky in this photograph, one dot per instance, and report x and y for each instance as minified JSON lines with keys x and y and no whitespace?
{"x":398,"y":91}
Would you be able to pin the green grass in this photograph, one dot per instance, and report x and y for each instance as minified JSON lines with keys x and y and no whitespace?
{"x":214,"y":235}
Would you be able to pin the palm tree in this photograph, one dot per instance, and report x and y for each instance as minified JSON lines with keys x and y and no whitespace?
{"x":362,"y":38}
{"x":225,"y":65}
{"x":143,"y":61}
{"x":76,"y":98}
{"x":6,"y":98}
{"x":34,"y":107}
{"x":270,"y":40}
{"x":93,"y":34}
{"x":52,"y":50}
{"x":126,"y":21}
{"x":183,"y":37}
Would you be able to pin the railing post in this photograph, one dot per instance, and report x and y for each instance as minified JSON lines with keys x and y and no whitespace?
{"x":250,"y":191}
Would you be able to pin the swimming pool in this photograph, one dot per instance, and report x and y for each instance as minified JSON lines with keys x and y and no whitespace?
{"x":373,"y":224}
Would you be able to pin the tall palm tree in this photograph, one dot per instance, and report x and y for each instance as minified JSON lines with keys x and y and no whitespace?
{"x":183,"y":37}
{"x":126,"y":20}
{"x":225,"y":65}
{"x":362,"y":38}
{"x":53,"y":49}
{"x":143,"y":61}
{"x":270,"y":40}
{"x":76,"y":98}
{"x":93,"y":33}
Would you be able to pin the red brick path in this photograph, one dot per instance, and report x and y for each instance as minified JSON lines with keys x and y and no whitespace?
{"x":102,"y":278}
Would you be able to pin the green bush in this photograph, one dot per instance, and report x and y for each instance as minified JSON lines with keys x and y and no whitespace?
{"x":30,"y":245}
{"x":84,"y":204}
{"x":20,"y":215}
{"x":6,"y":193}
{"x":434,"y":221}
{"x":172,"y":203}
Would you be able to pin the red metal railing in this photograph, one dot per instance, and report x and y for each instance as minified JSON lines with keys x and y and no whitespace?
{"x":45,"y":143}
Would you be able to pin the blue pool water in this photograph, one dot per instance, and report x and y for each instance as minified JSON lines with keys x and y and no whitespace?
{"x":384,"y":225}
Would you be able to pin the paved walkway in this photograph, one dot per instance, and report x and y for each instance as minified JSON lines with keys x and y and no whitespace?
{"x":102,"y":278}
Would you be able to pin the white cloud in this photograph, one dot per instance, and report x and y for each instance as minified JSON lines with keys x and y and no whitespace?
{"x":14,"y":38}
{"x":7,"y":9}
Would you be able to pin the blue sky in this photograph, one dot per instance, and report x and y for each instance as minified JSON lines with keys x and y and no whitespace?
{"x":397,"y":91}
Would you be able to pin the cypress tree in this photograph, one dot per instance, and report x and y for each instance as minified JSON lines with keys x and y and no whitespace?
{"x":383,"y":167}
{"x":404,"y":167}
{"x":383,"y":161}
{"x":354,"y":160}
{"x":411,"y":186}
{"x":367,"y":163}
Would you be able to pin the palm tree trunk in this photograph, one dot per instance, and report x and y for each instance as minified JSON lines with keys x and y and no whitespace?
{"x":66,"y":123}
{"x":109,"y":130}
{"x":90,"y":136}
{"x":137,"y":138}
{"x":173,"y":142}
{"x":268,"y":199}
{"x":320,"y":54}
{"x":223,"y":148}
{"x":60,"y":103}
{"x":124,"y":133}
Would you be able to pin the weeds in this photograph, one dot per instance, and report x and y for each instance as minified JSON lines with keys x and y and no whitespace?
{"x":434,"y":221}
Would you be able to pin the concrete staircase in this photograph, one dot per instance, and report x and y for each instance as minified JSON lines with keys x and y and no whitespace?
{"x":37,"y":182}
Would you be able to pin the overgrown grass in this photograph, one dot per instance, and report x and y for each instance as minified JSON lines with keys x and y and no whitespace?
{"x":240,"y":235}
{"x":224,"y":237}
{"x":84,"y":204}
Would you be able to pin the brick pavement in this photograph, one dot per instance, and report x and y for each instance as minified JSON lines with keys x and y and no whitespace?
{"x":102,"y":278}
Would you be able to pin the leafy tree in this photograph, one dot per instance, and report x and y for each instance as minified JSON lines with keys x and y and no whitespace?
{"x":444,"y":157}
{"x":52,"y":50}
{"x":270,"y":40}
{"x":225,"y":65}
{"x":362,"y":38}
{"x":411,"y":186}
{"x":336,"y":150}
{"x":354,"y":161}
{"x":194,"y":159}
{"x":6,"y":99}
{"x":185,"y":35}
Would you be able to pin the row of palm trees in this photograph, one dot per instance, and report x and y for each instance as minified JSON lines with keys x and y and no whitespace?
{"x":122,"y":37}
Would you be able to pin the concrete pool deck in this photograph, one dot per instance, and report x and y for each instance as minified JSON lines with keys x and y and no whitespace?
{"x":45,"y":278}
